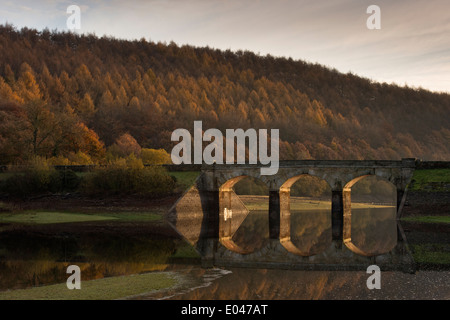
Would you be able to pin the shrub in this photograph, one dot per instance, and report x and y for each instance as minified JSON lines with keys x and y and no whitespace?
{"x":153,"y":156}
{"x":64,"y":180}
{"x":38,"y":178}
{"x":120,"y":179}
{"x":59,"y":161}
{"x":80,"y":158}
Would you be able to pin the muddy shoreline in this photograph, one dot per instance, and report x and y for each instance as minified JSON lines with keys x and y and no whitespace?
{"x":417,"y":203}
{"x":426,"y":203}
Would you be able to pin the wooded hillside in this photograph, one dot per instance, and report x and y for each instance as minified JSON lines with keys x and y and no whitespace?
{"x":72,"y":96}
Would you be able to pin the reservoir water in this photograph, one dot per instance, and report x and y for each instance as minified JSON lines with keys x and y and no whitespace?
{"x":39,"y":255}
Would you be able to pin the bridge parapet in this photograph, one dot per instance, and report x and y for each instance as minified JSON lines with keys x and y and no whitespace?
{"x":336,"y":172}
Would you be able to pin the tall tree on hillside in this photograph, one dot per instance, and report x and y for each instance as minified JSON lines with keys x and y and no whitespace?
{"x":41,"y":126}
{"x":13,"y":128}
{"x":126,"y":145}
{"x":7,"y":94}
{"x":86,"y":108}
{"x":84,"y":79}
{"x":26,"y":86}
{"x":9,"y":75}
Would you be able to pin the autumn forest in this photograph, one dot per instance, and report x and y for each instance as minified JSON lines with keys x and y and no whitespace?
{"x":76,"y":98}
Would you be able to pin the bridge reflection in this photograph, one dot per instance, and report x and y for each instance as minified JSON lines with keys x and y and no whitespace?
{"x":213,"y":195}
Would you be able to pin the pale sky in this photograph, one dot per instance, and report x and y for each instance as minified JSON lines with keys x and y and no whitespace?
{"x":411,"y":48}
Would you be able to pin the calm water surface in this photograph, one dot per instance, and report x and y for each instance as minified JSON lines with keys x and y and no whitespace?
{"x":374,"y":230}
{"x":40,"y":257}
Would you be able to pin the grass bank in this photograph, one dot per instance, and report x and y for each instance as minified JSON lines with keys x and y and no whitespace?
{"x":99,"y":289}
{"x":435,"y":254}
{"x":428,"y":219}
{"x":429,"y":241}
{"x":49,"y":217}
{"x":430,"y":180}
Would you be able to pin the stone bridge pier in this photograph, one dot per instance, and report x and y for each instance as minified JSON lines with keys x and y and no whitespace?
{"x":210,"y":212}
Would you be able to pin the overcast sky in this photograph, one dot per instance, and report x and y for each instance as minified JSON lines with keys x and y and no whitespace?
{"x":412,"y":47}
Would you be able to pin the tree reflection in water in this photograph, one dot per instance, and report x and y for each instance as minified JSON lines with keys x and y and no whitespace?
{"x":40,"y":258}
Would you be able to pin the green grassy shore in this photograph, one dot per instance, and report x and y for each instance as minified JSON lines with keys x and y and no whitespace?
{"x":99,"y":289}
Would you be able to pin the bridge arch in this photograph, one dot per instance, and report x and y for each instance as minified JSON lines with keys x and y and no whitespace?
{"x":353,"y":222}
{"x":227,"y":179}
{"x":232,"y":214}
{"x":288,"y":237}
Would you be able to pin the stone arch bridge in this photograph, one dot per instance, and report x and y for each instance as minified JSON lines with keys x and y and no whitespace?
{"x":209,"y":213}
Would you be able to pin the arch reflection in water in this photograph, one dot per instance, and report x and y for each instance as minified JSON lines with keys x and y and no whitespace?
{"x":249,"y":230}
{"x":310,"y":214}
{"x":370,"y":225}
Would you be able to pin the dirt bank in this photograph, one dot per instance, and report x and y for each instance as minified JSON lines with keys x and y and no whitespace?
{"x":426,"y":203}
{"x":89,"y":204}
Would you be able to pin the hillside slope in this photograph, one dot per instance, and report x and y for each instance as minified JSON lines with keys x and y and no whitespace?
{"x":62,"y":94}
